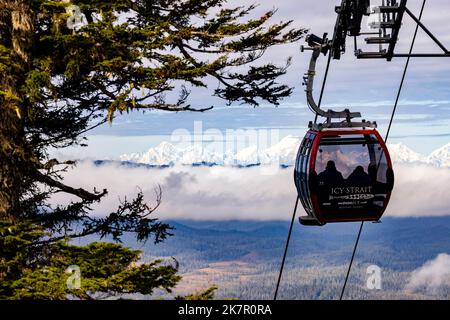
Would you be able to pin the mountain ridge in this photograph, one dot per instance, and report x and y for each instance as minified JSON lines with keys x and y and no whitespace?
{"x":282,"y":153}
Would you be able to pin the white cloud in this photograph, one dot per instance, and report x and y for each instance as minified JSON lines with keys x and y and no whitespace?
{"x":420,"y":191}
{"x":245,"y":193}
{"x":432,"y":276}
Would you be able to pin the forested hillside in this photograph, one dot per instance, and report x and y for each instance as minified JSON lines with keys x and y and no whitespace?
{"x":243,"y":257}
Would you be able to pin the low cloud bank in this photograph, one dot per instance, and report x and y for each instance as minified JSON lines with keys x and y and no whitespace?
{"x":215,"y":193}
{"x":433,"y":276}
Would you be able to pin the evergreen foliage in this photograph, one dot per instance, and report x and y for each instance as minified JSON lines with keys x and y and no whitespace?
{"x":63,"y":74}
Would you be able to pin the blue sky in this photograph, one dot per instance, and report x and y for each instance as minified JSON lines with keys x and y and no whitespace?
{"x":423,"y":118}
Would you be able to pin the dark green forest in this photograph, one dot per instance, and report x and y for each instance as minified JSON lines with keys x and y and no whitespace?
{"x":243,"y":257}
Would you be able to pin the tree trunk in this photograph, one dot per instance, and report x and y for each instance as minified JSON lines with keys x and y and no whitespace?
{"x":17,"y":32}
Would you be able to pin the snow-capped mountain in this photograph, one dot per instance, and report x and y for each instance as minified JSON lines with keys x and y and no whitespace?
{"x":245,"y":157}
{"x":163,"y":155}
{"x":440,"y":157}
{"x":400,"y":153}
{"x":166,"y":154}
{"x":282,"y":153}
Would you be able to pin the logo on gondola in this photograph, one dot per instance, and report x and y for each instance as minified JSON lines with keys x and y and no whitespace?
{"x":351,"y":193}
{"x":353,"y":197}
{"x":337,"y":191}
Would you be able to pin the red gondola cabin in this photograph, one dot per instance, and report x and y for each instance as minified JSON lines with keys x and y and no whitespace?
{"x":343,"y":175}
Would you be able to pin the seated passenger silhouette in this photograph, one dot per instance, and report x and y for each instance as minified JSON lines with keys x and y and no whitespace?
{"x":330,"y":176}
{"x":359,"y":177}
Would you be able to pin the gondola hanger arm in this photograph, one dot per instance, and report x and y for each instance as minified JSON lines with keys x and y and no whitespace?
{"x":322,"y":45}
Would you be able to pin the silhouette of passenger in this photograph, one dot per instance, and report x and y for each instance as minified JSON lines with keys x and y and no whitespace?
{"x":330,"y":176}
{"x":359,"y":177}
